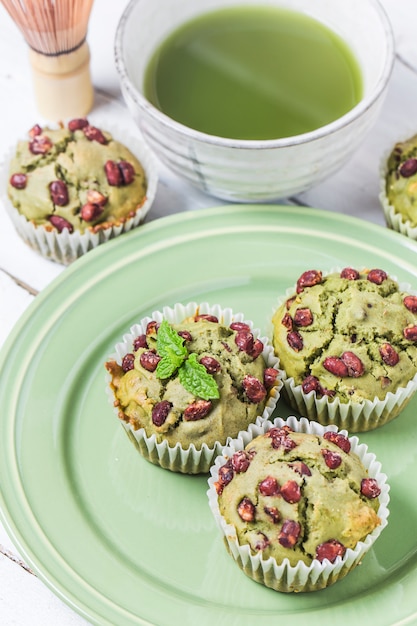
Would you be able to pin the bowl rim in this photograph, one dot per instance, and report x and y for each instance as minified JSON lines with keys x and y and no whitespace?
{"x":256,"y":144}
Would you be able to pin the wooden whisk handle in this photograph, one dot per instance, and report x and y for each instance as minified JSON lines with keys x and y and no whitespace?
{"x":62,"y":83}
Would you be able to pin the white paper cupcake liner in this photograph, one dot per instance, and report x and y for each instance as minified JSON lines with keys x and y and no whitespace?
{"x":66,"y":247}
{"x":355,"y":417}
{"x":301,"y":577}
{"x":394,"y":220}
{"x":176,"y":458}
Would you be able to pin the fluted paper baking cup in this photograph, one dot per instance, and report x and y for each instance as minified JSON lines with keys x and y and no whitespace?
{"x":154,"y":448}
{"x":66,"y":247}
{"x":283,"y":576}
{"x":355,"y":417}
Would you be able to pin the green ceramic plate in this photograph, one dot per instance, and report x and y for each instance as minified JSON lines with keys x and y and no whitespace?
{"x":125,"y":542}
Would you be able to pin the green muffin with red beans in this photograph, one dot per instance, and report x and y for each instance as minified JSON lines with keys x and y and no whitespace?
{"x":398,"y":187}
{"x":76,"y":185}
{"x":299,"y":504}
{"x":347,"y":342}
{"x":189,"y":377}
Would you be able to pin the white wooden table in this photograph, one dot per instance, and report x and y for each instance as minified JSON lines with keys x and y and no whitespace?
{"x":24,"y":599}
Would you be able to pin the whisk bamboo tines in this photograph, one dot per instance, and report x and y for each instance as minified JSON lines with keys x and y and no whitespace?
{"x":55,"y":31}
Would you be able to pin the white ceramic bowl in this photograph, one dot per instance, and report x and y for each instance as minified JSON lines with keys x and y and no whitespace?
{"x":251,"y":170}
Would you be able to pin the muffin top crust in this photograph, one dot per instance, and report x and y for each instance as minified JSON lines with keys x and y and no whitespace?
{"x":298,"y":496}
{"x":76,"y":177}
{"x":195,"y":382}
{"x":351,"y":335}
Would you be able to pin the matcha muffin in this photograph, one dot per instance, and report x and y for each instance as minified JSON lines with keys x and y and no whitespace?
{"x":398,"y":193}
{"x":75,"y":186}
{"x":347,"y":342}
{"x":189,"y":377}
{"x":298,"y":504}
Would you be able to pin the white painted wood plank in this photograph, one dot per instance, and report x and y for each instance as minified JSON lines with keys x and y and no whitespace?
{"x":13,"y":301}
{"x":25,"y":601}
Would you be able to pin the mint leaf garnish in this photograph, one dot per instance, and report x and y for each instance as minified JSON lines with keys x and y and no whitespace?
{"x":170,"y":344}
{"x":171,"y":349}
{"x":195,"y":378}
{"x":165,"y":368}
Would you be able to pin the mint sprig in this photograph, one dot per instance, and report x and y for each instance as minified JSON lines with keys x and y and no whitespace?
{"x":195,"y":379}
{"x":174,"y":356}
{"x":171,"y":349}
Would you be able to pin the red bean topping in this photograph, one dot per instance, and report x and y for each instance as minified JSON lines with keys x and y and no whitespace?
{"x":140,"y":342}
{"x":35,"y":130}
{"x":185,"y":334}
{"x":389,"y":354}
{"x":254,"y":389}
{"x":311,"y":383}
{"x":240,"y":326}
{"x":211,"y":364}
{"x":301,"y":468}
{"x":270,"y":376}
{"x":160,"y":412}
{"x":335,"y":365}
{"x":289,"y":302}
{"x":127,"y":171}
{"x":410,"y":333}
{"x":59,"y":192}
{"x":287,"y":321}
{"x":261,"y":542}
{"x":96,"y":197}
{"x":90,"y":212}
{"x":94,"y":134}
{"x":152,"y":328}
{"x":303,"y":317}
{"x":128,"y":362}
{"x":370,"y":488}
{"x":332,"y":459}
{"x":273,"y":513}
{"x":18,"y":181}
{"x":408,"y":168}
{"x":269,"y":486}
{"x":308,"y":279}
{"x":410,"y":302}
{"x":40,"y":144}
{"x":377,"y":276}
{"x":225,"y":476}
{"x":289,"y":534}
{"x":60,"y":223}
{"x":149,"y":360}
{"x":241,"y":461}
{"x":353,"y":363}
{"x":291,"y":491}
{"x":246,"y":510}
{"x":280,"y":439}
{"x":207,"y":317}
{"x":257,"y":349}
{"x":77,"y":124}
{"x":197,"y":410}
{"x":349,"y":273}
{"x":244,"y":341}
{"x":113,"y":173}
{"x":330,"y":550}
{"x":340,"y":440}
{"x":295,"y":340}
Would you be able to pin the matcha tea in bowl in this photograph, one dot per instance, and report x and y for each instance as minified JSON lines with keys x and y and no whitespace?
{"x":254,"y":100}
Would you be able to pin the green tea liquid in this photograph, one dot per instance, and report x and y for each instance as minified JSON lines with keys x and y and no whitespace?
{"x":253,"y":73}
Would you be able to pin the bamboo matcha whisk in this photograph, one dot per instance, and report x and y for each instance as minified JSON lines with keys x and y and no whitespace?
{"x":55,"y":31}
